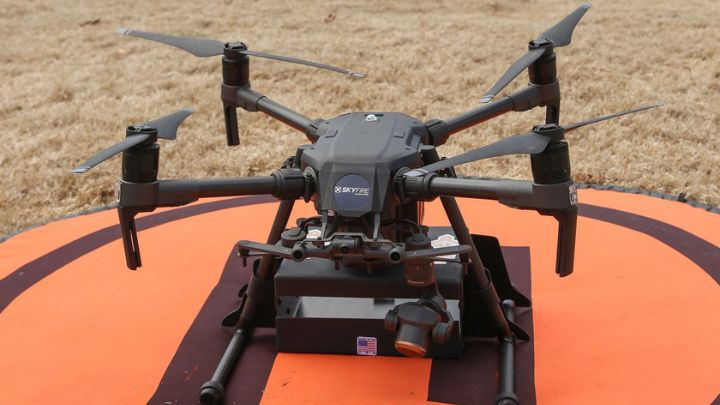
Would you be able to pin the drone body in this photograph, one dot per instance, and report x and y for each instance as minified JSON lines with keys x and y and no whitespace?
{"x":368,"y":174}
{"x":356,"y":157}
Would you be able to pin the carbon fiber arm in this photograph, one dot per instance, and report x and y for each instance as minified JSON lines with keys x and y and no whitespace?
{"x":133,"y":198}
{"x":557,"y":200}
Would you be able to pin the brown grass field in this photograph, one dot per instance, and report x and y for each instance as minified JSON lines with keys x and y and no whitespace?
{"x":70,"y":85}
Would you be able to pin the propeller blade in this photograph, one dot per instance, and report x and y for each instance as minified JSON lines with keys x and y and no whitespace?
{"x":579,"y":124}
{"x":524,"y":143}
{"x":106,"y":154}
{"x":202,"y":48}
{"x":560,"y":35}
{"x":528,"y":143}
{"x":209,"y":47}
{"x":303,"y":62}
{"x":168,"y":125}
{"x":513,"y":71}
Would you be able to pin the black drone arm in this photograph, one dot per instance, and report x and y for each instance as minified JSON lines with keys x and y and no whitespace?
{"x":174,"y":193}
{"x":136,"y":197}
{"x":514,"y":193}
{"x":252,"y":101}
{"x":535,"y":95}
{"x":558,"y":200}
{"x":235,"y":93}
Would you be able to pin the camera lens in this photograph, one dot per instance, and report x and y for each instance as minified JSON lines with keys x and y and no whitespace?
{"x":412,"y":341}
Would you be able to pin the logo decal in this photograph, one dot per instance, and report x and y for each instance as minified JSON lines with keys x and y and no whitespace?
{"x":352,"y":192}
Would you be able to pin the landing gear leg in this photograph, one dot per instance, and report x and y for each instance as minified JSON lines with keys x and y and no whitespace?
{"x":507,"y":395}
{"x":254,"y":297}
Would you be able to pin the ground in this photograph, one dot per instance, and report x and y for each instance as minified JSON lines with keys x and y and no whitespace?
{"x":71,"y":85}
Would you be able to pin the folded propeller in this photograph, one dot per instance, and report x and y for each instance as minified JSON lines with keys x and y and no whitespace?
{"x":531,"y":142}
{"x":204,"y":48}
{"x":557,"y":36}
{"x":165,"y":128}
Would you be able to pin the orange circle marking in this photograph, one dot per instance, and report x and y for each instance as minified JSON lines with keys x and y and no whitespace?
{"x":636,"y":323}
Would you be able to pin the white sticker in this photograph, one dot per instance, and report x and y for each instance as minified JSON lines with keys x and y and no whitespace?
{"x":366,"y":346}
{"x":573,"y":194}
{"x":313,"y":234}
{"x":446,"y":240}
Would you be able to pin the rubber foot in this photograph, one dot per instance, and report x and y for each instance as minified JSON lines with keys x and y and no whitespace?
{"x":211,"y":393}
{"x":506,"y":398}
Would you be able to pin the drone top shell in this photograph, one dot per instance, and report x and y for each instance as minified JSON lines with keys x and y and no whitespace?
{"x":356,"y":156}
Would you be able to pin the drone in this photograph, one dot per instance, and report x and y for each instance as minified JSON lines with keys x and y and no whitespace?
{"x":368,"y":175}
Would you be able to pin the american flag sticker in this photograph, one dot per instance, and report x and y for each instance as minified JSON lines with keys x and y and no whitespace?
{"x":366,"y":346}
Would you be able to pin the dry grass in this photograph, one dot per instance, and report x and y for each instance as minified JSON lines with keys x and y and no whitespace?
{"x":70,"y":86}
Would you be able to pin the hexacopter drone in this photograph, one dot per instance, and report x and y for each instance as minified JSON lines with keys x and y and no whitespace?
{"x":367,"y":252}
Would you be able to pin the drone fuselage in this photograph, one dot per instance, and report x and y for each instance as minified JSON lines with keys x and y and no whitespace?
{"x":356,"y":157}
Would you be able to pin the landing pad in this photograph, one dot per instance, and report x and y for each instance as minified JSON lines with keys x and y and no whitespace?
{"x":636,"y":323}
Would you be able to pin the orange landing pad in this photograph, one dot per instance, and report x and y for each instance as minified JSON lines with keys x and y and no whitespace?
{"x":637,"y":323}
